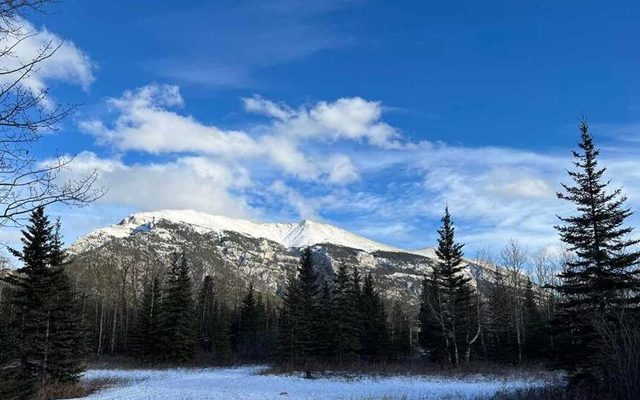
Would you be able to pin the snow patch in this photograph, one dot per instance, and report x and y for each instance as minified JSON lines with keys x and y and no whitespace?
{"x":247,"y":383}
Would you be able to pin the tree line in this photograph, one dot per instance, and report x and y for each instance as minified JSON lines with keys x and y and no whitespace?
{"x":582,"y":319}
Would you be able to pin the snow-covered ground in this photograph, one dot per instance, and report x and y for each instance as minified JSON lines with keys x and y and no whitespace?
{"x":247,"y":383}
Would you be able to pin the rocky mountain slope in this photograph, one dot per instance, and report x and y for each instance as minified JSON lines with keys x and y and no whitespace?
{"x":118,"y":258}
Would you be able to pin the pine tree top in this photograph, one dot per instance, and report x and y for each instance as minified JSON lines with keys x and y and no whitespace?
{"x":604,"y":255}
{"x":448,"y":269}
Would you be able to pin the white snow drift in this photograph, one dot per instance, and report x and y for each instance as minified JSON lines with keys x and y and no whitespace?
{"x":246,"y":383}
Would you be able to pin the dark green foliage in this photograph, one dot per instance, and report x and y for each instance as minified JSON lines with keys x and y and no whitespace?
{"x":8,"y":331}
{"x":177,"y":314}
{"x":146,"y":339}
{"x":250,"y":333}
{"x":536,"y":343}
{"x":446,"y":312}
{"x":327,"y":333}
{"x":400,"y":333}
{"x":214,"y":322}
{"x":49,"y":346}
{"x":500,"y":342}
{"x":374,"y":336}
{"x":600,"y":280}
{"x":346,"y":315}
{"x":68,"y":344}
{"x":221,"y":339}
{"x":206,"y":313}
{"x":430,"y":338}
{"x":299,"y":337}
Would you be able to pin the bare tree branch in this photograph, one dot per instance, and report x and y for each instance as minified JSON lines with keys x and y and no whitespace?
{"x":25,"y":115}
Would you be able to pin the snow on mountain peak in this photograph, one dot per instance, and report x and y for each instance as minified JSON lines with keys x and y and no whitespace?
{"x":301,"y":234}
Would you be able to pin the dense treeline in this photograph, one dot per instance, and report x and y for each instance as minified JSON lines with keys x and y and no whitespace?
{"x":578,"y":311}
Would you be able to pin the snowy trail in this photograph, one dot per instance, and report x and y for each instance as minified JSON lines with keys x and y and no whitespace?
{"x":245,"y":383}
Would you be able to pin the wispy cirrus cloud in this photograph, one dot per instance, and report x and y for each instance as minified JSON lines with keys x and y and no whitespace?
{"x":238,"y":39}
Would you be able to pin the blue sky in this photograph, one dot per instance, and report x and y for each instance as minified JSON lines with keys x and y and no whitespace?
{"x":368,"y":115}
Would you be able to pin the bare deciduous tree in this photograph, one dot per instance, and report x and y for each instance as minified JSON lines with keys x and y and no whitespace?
{"x":514,"y":258}
{"x":26,"y":113}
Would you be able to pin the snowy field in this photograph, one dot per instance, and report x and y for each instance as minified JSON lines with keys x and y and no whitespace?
{"x":246,"y":383}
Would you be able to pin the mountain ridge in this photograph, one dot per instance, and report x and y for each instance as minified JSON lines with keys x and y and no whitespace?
{"x":289,"y":234}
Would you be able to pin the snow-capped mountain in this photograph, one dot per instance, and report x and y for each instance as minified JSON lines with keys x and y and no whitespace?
{"x":117,"y":258}
{"x":290,"y":235}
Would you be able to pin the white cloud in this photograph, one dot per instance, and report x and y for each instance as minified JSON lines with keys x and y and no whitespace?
{"x":260,"y":105}
{"x":187,"y":183}
{"x":145,"y":122}
{"x":344,"y":119}
{"x":69,"y":63}
{"x":146,"y":119}
{"x":342,"y":170}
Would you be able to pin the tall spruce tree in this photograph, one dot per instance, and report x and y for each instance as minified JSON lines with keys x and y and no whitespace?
{"x":299,"y":338}
{"x":220,"y":335}
{"x":288,"y":345}
{"x":600,"y":280}
{"x":145,"y":343}
{"x":308,"y":328}
{"x":68,"y":343}
{"x":374,"y":335}
{"x":49,"y":344}
{"x":327,"y":333}
{"x":449,"y":304}
{"x":177,"y":312}
{"x":250,"y":330}
{"x":206,"y":314}
{"x":346,"y":316}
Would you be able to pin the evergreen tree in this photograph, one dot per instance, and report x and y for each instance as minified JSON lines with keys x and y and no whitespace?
{"x":535,"y":338}
{"x":600,"y":280}
{"x":146,"y":333}
{"x":430,"y":337}
{"x":221,"y":341}
{"x":308,"y":327}
{"x":327,"y":338}
{"x":500,"y":343}
{"x":177,"y":311}
{"x":346,"y":316}
{"x":8,"y":332}
{"x":288,"y":345}
{"x":250,"y":332}
{"x":68,"y":346}
{"x":448,"y":308}
{"x":374,"y":336}
{"x":400,"y":333}
{"x":299,"y":334}
{"x":49,"y":346}
{"x":206,"y":314}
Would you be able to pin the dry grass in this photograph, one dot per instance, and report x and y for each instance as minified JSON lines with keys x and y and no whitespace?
{"x":74,"y":390}
{"x":413,"y":368}
{"x":129,"y":363}
{"x":553,"y":392}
